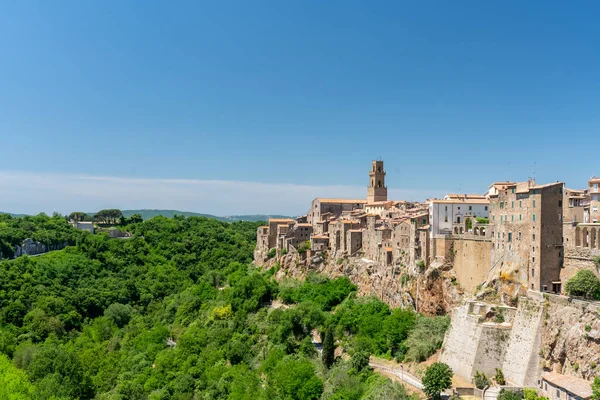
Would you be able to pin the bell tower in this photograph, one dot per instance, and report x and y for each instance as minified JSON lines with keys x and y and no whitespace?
{"x":377,"y":191}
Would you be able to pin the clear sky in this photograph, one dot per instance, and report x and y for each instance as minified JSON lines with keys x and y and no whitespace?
{"x":162,"y":104}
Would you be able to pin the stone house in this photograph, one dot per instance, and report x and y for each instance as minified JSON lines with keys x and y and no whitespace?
{"x":562,"y":387}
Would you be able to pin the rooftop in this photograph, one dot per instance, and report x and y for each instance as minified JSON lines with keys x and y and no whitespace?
{"x":341,"y":201}
{"x":320,"y":237}
{"x":281,"y":220}
{"x":577,"y":386}
{"x":482,"y":200}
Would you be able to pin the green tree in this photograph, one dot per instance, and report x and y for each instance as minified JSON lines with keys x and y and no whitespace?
{"x":596,"y":389}
{"x":14,"y":384}
{"x":328,"y":356}
{"x":585,"y":283}
{"x":360,"y":360}
{"x":79,"y":216}
{"x":438,"y":377}
{"x":120,"y":314}
{"x":294,"y":379}
{"x":510,"y":395}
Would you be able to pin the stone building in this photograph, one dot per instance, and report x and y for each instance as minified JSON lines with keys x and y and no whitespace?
{"x":592,"y":210}
{"x":326,"y":209}
{"x":456,"y":214}
{"x":527,"y":233}
{"x":563,"y":387}
{"x":376,"y":191}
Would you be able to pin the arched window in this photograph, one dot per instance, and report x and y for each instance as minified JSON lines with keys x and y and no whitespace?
{"x":378,"y":183}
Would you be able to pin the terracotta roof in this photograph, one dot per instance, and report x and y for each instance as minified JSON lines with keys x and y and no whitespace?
{"x":388,"y":249}
{"x":577,"y":386}
{"x":341,"y":201}
{"x":346,"y":221}
{"x":546,"y":185}
{"x":304,"y":224}
{"x":281,"y":220}
{"x":463,"y":201}
{"x":594,"y":179}
{"x":355,"y":230}
{"x":320,"y":237}
{"x":453,"y":196}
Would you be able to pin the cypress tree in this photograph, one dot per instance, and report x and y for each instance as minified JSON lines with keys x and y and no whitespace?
{"x":328,"y":348}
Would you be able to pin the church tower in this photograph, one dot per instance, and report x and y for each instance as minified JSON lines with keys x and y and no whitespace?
{"x":377,"y":191}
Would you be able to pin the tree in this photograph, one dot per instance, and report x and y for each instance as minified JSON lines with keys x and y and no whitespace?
{"x":328,"y":348}
{"x":294,"y":379}
{"x":120,"y":314}
{"x":438,"y":377}
{"x":360,"y":360}
{"x":79,"y":216}
{"x":510,"y":395}
{"x":585,"y":283}
{"x":14,"y":384}
{"x":596,"y":389}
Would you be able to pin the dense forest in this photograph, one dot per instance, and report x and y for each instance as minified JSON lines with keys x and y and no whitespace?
{"x":178,"y":312}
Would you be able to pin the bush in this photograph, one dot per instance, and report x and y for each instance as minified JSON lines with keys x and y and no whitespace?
{"x":585,"y":284}
{"x":438,"y":377}
{"x":480,"y":380}
{"x":597,"y":260}
{"x":304,"y":247}
{"x":421,"y":265}
{"x":510,"y":395}
{"x":499,"y":378}
{"x":426,"y":338}
{"x":596,"y":389}
{"x":272,"y":253}
{"x":360,"y":360}
{"x":283,"y":252}
{"x":482,"y":220}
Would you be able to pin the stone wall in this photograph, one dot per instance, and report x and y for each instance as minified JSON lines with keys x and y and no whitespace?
{"x":473,"y":343}
{"x":521,"y":365}
{"x":30,"y":247}
{"x":471,"y":262}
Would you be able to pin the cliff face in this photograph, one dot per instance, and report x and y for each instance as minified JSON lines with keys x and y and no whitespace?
{"x":571,"y":338}
{"x":431,"y":292}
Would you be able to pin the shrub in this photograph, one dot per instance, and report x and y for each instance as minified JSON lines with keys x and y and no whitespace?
{"x":499,"y":377}
{"x":360,"y":360}
{"x":272,"y":253}
{"x":426,"y":338}
{"x":483,"y":220}
{"x":438,"y":377}
{"x":480,"y":380}
{"x":596,"y":389}
{"x":283,"y":252}
{"x":340,"y":261}
{"x":510,"y":395}
{"x":530,"y":394}
{"x":304,"y":247}
{"x":585,"y":283}
{"x":421,"y":265}
{"x":597,"y":260}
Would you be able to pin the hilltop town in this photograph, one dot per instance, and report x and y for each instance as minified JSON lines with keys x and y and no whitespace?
{"x":498,"y":261}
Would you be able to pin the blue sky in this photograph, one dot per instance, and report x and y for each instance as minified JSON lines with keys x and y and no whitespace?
{"x":303,"y":95}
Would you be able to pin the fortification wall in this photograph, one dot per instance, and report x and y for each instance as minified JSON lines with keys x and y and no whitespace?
{"x":471,"y":262}
{"x":521,"y":364}
{"x":461,"y":342}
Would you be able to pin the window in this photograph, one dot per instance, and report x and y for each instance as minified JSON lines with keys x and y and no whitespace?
{"x":493,"y":217}
{"x":512,"y":204}
{"x":458,"y":220}
{"x":533,"y":237}
{"x":424,"y":221}
{"x":533,"y":217}
{"x":501,"y":205}
{"x":560,"y":203}
{"x":557,"y":390}
{"x":533,"y":203}
{"x":532,"y":272}
{"x":510,"y":236}
{"x":520,"y":217}
{"x":446,"y":208}
{"x":446,"y":218}
{"x":459,"y":207}
{"x":520,"y":204}
{"x":513,"y":190}
{"x":512,"y":218}
{"x":498,"y":235}
{"x":486,"y":208}
{"x":533,"y":260}
{"x":470,"y":208}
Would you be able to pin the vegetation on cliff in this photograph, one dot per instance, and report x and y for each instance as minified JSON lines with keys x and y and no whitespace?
{"x":584,"y":284}
{"x":178,"y":312}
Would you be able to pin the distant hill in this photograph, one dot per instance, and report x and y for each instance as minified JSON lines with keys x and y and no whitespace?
{"x":147,"y":214}
{"x":13,"y":215}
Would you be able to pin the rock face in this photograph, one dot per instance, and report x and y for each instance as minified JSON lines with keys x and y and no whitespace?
{"x":571,"y":337}
{"x":431,"y":292}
